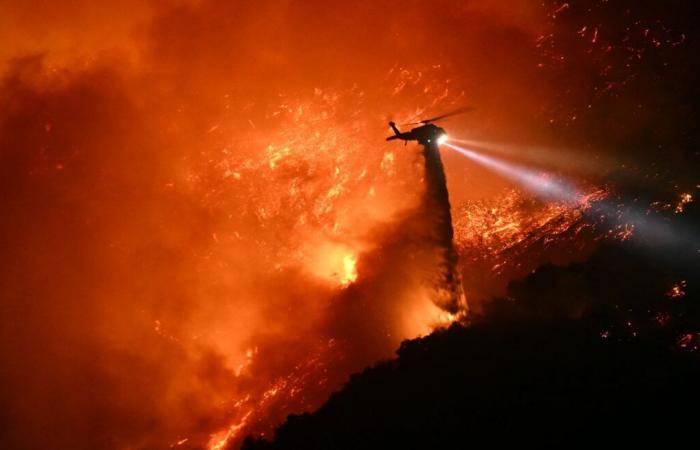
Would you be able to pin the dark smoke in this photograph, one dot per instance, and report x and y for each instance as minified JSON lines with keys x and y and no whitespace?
{"x":436,"y":207}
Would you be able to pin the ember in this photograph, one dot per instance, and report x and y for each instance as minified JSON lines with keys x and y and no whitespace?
{"x":677,"y":290}
{"x":202,"y":218}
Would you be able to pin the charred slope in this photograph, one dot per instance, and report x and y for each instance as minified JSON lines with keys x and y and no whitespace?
{"x":606,"y":370}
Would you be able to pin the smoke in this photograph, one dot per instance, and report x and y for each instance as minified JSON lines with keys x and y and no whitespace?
{"x":203,"y":229}
{"x":179,"y":203}
{"x":641,"y":223}
{"x":436,"y":207}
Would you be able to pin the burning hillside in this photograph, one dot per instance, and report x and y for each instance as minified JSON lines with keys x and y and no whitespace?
{"x":204,"y":229}
{"x":505,"y":238}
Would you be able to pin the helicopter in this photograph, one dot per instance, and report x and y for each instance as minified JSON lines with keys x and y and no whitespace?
{"x":427,"y":133}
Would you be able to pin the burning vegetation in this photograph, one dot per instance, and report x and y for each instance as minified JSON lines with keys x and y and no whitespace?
{"x":204,"y":230}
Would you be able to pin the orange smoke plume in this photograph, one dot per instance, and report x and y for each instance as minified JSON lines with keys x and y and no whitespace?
{"x":205,"y":230}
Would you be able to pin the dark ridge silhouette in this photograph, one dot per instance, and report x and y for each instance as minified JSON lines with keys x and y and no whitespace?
{"x":598,"y":353}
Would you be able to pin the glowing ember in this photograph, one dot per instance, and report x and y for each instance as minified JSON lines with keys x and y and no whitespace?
{"x":221,"y":439}
{"x":684,"y":200}
{"x":509,"y":236}
{"x":677,"y":291}
{"x":689,"y":342}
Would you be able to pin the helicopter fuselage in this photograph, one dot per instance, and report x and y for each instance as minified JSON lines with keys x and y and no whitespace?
{"x":427,"y":134}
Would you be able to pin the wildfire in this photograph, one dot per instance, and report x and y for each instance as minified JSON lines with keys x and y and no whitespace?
{"x":219,"y":440}
{"x":685,"y":199}
{"x":677,"y":291}
{"x":510,"y":235}
{"x":250,"y":218}
{"x":349,"y":269}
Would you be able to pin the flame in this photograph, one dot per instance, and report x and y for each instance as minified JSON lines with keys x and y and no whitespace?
{"x":219,"y":440}
{"x":508,"y":236}
{"x":677,"y":291}
{"x":349,"y":269}
{"x":234,"y":240}
{"x":685,"y":199}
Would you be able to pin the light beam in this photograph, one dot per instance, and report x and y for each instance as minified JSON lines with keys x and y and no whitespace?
{"x":537,"y":182}
{"x":652,"y":230}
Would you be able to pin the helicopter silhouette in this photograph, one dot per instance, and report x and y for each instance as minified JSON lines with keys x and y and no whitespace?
{"x":427,"y":133}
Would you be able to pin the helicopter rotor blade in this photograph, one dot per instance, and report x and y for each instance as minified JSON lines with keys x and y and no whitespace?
{"x":440,"y":117}
{"x":449,"y":114}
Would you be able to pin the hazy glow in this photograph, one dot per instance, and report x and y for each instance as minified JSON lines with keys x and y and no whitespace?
{"x":652,"y":230}
{"x":225,"y":299}
{"x":537,"y":182}
{"x":566,"y":158}
{"x":349,"y":269}
{"x":442,"y":139}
